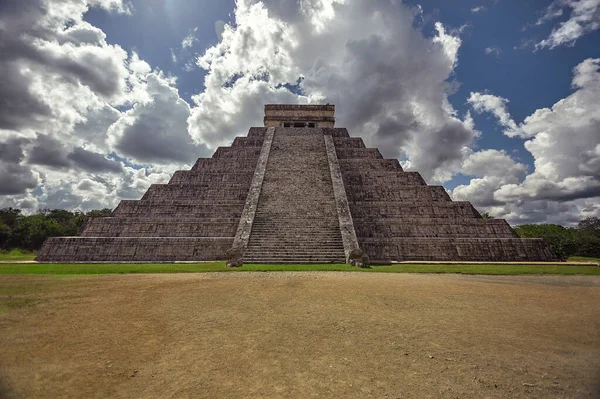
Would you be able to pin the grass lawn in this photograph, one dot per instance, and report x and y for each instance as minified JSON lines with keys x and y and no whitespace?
{"x":16,"y":255}
{"x":583,"y":259}
{"x":112,"y":268}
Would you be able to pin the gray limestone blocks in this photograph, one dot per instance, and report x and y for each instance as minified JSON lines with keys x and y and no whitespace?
{"x":397,"y":217}
{"x":348,"y":204}
{"x":192,"y":218}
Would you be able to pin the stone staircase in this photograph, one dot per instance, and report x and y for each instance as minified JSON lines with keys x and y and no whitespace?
{"x":296,"y":219}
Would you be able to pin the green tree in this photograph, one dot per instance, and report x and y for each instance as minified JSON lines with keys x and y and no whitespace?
{"x":563,"y":241}
{"x":5,"y":233}
{"x":486,"y":215}
{"x":590,"y":225}
{"x":589,"y":237}
{"x":30,"y":232}
{"x":41,"y":227}
{"x":99,"y":213}
{"x":10,"y":216}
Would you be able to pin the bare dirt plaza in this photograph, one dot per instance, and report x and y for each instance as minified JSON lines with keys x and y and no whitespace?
{"x":300,"y":334}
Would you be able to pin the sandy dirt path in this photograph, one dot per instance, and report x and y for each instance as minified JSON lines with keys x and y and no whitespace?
{"x":301,"y":335}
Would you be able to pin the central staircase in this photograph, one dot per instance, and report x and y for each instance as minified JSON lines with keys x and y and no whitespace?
{"x":296,"y":218}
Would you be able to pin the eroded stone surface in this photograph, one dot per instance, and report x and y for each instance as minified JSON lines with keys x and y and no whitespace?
{"x":292,"y":195}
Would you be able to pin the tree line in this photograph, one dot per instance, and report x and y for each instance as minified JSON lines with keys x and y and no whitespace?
{"x":28,"y":232}
{"x":583,"y":240}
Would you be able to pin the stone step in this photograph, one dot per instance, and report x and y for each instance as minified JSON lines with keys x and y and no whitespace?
{"x":293,"y":260}
{"x":313,"y":235}
{"x":296,"y":219}
{"x":304,"y":245}
{"x":282,"y":225}
{"x":290,"y":231}
{"x":292,"y":254}
{"x":278,"y":242}
{"x":291,"y":217}
{"x":283,"y":254}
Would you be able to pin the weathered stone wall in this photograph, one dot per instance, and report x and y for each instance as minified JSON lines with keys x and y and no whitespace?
{"x":199,"y":177}
{"x":193,"y":217}
{"x":276,"y":114}
{"x":398,"y":217}
{"x":198,"y":191}
{"x":133,"y":249}
{"x":161,"y":227}
{"x":458,"y":249}
{"x":434,"y":227}
{"x":369,"y":178}
{"x":395,"y":215}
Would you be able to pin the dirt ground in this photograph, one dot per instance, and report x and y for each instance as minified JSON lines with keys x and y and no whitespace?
{"x":300,"y":334}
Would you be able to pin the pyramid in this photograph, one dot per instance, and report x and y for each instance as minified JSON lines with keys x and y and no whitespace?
{"x":297,"y":190}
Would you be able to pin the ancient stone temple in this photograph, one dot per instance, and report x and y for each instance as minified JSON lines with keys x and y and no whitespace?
{"x":298,"y":190}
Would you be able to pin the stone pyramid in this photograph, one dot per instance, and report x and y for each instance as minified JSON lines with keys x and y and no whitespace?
{"x":295,"y":191}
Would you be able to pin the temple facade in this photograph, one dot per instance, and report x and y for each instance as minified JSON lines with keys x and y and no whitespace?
{"x":297,"y":190}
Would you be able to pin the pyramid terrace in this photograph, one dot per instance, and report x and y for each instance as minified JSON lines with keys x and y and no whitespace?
{"x":298,"y":190}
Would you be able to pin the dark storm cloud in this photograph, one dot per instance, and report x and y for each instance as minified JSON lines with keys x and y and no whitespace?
{"x":451,"y":139}
{"x":93,"y":161}
{"x":14,"y":177}
{"x":48,"y":152}
{"x":159,"y":132}
{"x":20,"y":26}
{"x":393,"y":134}
{"x":18,"y":107}
{"x":552,"y":192}
{"x":11,"y":150}
{"x":149,"y":139}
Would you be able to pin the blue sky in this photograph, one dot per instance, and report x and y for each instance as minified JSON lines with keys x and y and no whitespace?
{"x":494,"y":100}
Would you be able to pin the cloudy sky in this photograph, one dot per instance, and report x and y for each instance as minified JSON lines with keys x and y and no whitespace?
{"x":497,"y":100}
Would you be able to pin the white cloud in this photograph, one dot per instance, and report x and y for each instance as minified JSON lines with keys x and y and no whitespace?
{"x":388,"y":82}
{"x":565,"y":143}
{"x":497,"y":106}
{"x":91,"y":124}
{"x":584,"y":18}
{"x":477,"y":9}
{"x":63,"y":88}
{"x":190,"y":39}
{"x":492,"y":50}
{"x":156,"y":130}
{"x":491,"y":170}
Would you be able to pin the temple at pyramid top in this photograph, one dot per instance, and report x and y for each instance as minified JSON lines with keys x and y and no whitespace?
{"x":299,"y":115}
{"x":297,"y":190}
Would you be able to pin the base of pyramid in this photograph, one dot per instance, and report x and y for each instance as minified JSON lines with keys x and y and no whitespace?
{"x":458,"y":249}
{"x":133,"y":249}
{"x":172,"y":249}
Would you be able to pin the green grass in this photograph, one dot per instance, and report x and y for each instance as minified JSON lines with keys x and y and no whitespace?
{"x":110,"y":268}
{"x":16,"y":255}
{"x":583,"y":259}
